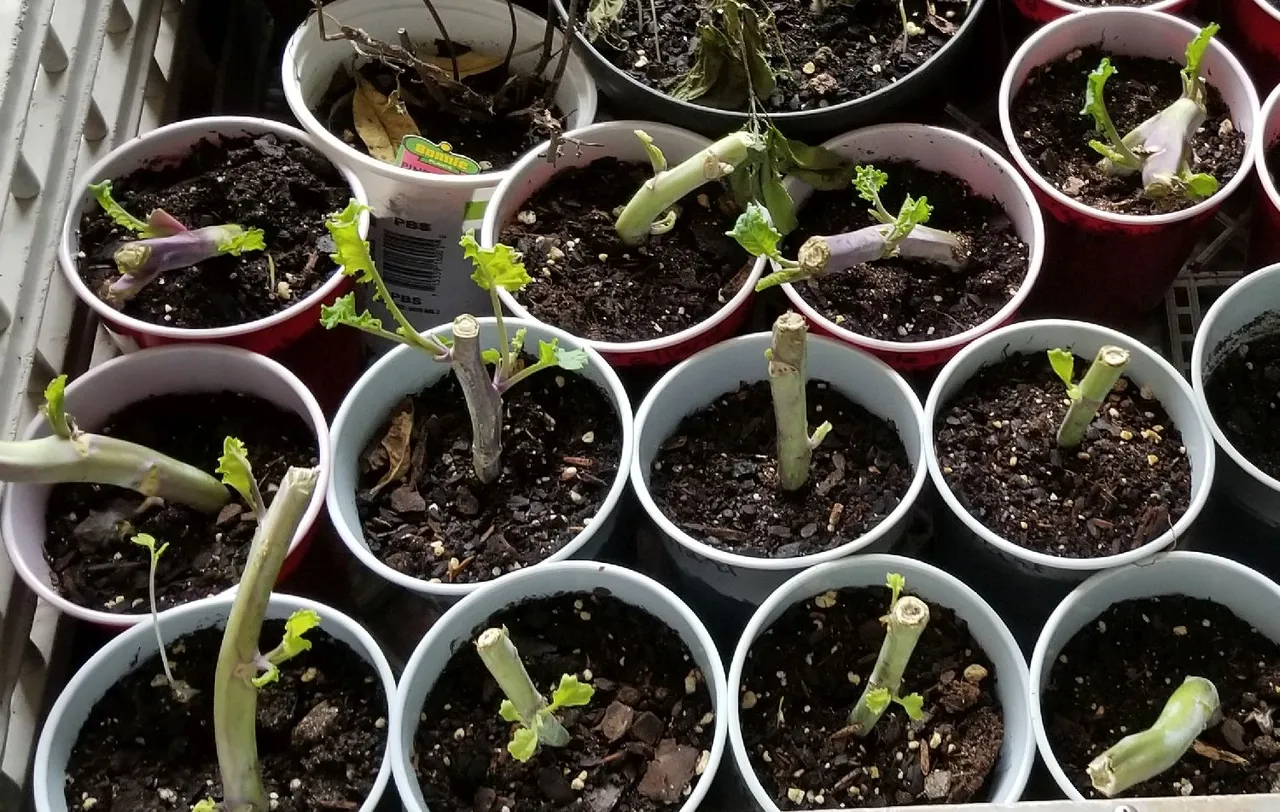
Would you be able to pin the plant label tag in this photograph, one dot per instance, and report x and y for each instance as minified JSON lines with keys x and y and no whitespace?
{"x":423,"y":155}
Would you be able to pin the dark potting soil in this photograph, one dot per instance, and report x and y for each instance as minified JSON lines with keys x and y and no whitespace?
{"x":845,"y":52}
{"x":321,"y":732}
{"x":1055,"y":137}
{"x":91,"y":559}
{"x":1243,"y":393}
{"x":1115,"y":675}
{"x":639,"y":746}
{"x":716,"y":478}
{"x":282,"y":187}
{"x":1126,"y":484}
{"x":495,"y":142}
{"x":907,"y":300}
{"x":803,"y":677}
{"x":562,"y":446}
{"x":587,"y":282}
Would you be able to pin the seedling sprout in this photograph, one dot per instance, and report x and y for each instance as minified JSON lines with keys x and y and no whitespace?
{"x":524,"y":705}
{"x":494,"y":267}
{"x":908,"y":616}
{"x":181,"y":690}
{"x":164,"y":244}
{"x":1160,"y":147}
{"x":787,"y":379}
{"x":1092,"y":391}
{"x":1139,"y":757}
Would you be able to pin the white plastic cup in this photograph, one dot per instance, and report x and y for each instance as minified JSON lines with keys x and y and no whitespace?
{"x":405,"y":371}
{"x":93,"y":398}
{"x":1221,"y":332}
{"x":1146,"y":368}
{"x":1250,"y":596}
{"x":168,"y":145}
{"x":459,"y":626}
{"x":987,"y":173}
{"x":617,"y":139}
{"x":697,"y":383}
{"x":1017,"y":751}
{"x":122,"y":656}
{"x":419,"y":217}
{"x":1264,"y":234}
{"x":1043,"y":11}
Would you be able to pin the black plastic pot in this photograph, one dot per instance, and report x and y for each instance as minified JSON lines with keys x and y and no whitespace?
{"x":641,"y":101}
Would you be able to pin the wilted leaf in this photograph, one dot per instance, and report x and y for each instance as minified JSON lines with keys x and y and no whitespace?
{"x":381,"y":122}
{"x":471,"y":63}
{"x":396,"y":443}
{"x":601,"y":15}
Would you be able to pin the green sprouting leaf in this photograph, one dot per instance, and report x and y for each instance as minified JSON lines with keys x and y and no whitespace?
{"x":896,"y":583}
{"x":149,"y":541}
{"x":498,"y":266}
{"x":294,"y":643}
{"x":1064,"y":365}
{"x":755,"y":233}
{"x":570,"y":693}
{"x":1195,"y":53}
{"x":343,"y":311}
{"x":878,"y":700}
{"x":868,"y":181}
{"x":656,"y":158}
{"x":207,"y":805}
{"x":1112,"y":154}
{"x":507,"y":710}
{"x":913,"y":704}
{"x":914,"y":212}
{"x":568,"y":360}
{"x":1200,"y":185}
{"x":102,"y":193}
{"x":601,"y":16}
{"x":523,"y":744}
{"x":237,"y":473}
{"x":240,"y":239}
{"x":55,"y":410}
{"x":491,"y":356}
{"x":266,"y":677}
{"x":1094,"y":103}
{"x":352,"y":254}
{"x":517,"y":340}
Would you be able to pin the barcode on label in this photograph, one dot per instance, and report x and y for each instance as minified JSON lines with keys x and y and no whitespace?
{"x":412,"y":262}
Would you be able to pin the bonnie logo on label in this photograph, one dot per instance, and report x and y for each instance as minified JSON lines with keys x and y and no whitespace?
{"x":423,"y":155}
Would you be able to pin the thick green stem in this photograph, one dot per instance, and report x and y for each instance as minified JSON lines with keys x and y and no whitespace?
{"x":110,"y":461}
{"x":906,"y":622}
{"x":665,"y":189}
{"x":1142,"y":756}
{"x":235,"y":699}
{"x":503,"y":661}
{"x":1093,"y":391}
{"x":787,"y":379}
{"x":484,"y":402}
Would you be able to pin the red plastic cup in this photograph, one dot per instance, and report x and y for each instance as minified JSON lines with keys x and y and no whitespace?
{"x":1133,"y":258}
{"x":617,"y":139}
{"x":1264,"y":235}
{"x":987,"y":174}
{"x":168,"y":143}
{"x":1253,"y":28}
{"x":1044,"y":11}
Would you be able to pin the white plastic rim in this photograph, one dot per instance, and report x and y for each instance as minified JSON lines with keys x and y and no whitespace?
{"x":698,"y":381}
{"x":167,"y":145}
{"x":1146,"y":368}
{"x":1131,"y":32}
{"x":405,"y":371}
{"x":485,"y":25}
{"x":1220,"y":333}
{"x":123,"y":654}
{"x":983,"y":169}
{"x":606,"y":139}
{"x":1075,"y":8}
{"x":1249,"y":595}
{"x":1270,"y":132}
{"x":104,"y":391}
{"x":456,"y":628}
{"x":1017,"y":751}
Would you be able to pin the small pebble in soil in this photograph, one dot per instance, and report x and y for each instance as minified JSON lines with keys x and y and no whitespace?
{"x":1103,"y":498}
{"x":1118,"y":673}
{"x":716,"y":477}
{"x":1243,"y":393}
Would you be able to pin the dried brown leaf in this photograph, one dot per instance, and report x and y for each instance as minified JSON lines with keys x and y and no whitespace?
{"x":381,"y":121}
{"x":1214,"y":754}
{"x":396,"y":444}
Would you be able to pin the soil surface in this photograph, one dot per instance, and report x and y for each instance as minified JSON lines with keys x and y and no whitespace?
{"x":321,"y":732}
{"x":1126,"y":484}
{"x":819,"y":59}
{"x":803,"y":677}
{"x":1055,"y":137}
{"x":91,"y":560}
{"x":639,"y":745}
{"x":495,"y":142}
{"x":1148,"y":647}
{"x":562,"y":446}
{"x":908,"y":300}
{"x":587,"y":282}
{"x":279,"y":186}
{"x":1243,"y":393}
{"x":716,"y":478}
